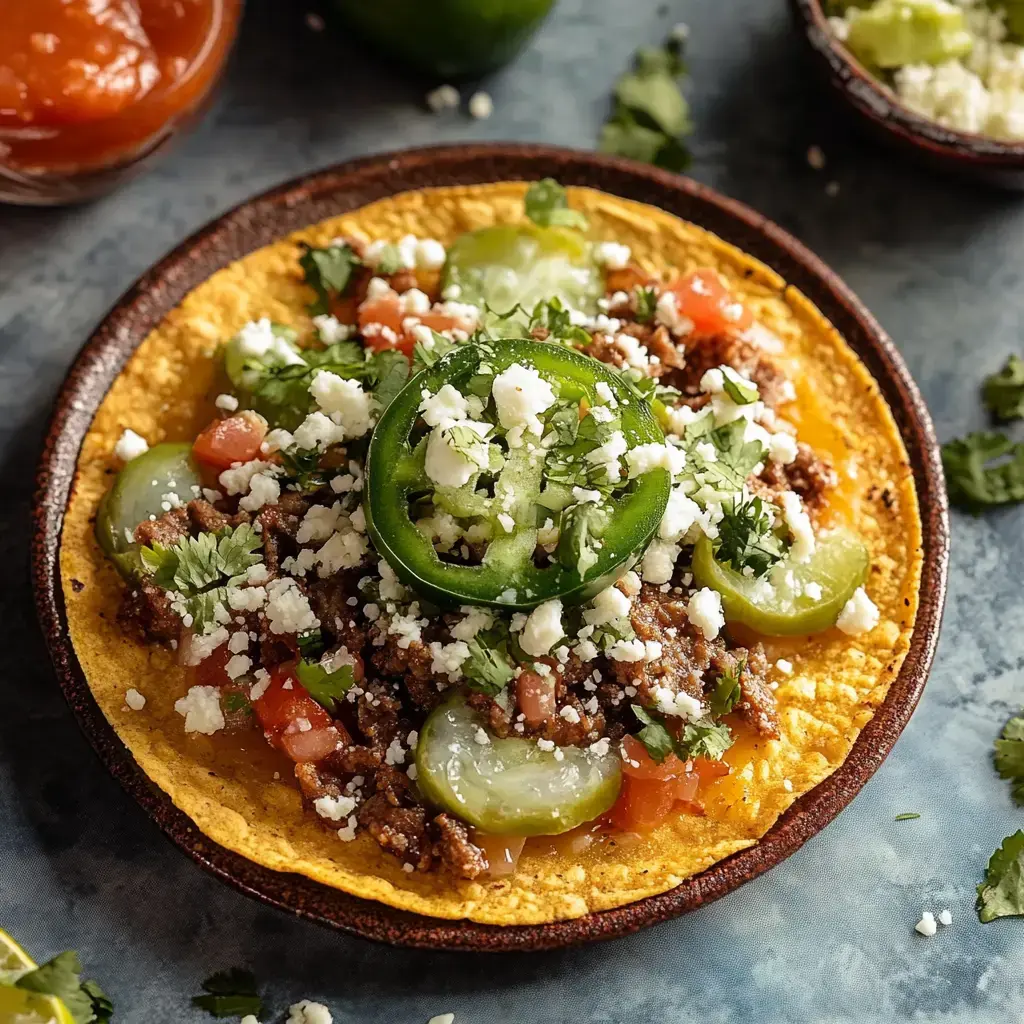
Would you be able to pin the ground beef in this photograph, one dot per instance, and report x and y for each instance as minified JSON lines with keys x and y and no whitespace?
{"x":329,"y":598}
{"x":703,"y":352}
{"x":411,"y":664}
{"x":456,"y":851}
{"x":685,"y":654}
{"x":394,"y":817}
{"x":278,"y":525}
{"x":316,"y":781}
{"x":810,"y":474}
{"x":563,"y":732}
{"x":206,"y":518}
{"x":378,"y":713}
{"x":145,"y":614}
{"x":168,"y":529}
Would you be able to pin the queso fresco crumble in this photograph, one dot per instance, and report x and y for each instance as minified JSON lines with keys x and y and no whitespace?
{"x":445,"y":534}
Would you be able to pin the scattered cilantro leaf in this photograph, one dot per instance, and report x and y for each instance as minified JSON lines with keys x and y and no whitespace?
{"x":735,"y":457}
{"x":1001,"y":894}
{"x":488,"y":669}
{"x":704,"y":739}
{"x":237,"y":702}
{"x":326,"y":687}
{"x":651,"y":117}
{"x":646,"y":304}
{"x":1009,"y":755}
{"x":741,"y":394}
{"x":389,"y":261}
{"x":1003,"y":392}
{"x":580,"y":528}
{"x":654,"y":736}
{"x":547,"y":206}
{"x":727,"y":692}
{"x":230,"y":993}
{"x":907,"y":816}
{"x":61,"y":977}
{"x":565,"y":422}
{"x":746,"y":539}
{"x":552,"y":316}
{"x":310,"y":643}
{"x":983,"y":469}
{"x":391,"y":373}
{"x":327,"y":271}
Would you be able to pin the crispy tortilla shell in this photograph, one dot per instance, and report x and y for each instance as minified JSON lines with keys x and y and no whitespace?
{"x":227,"y":785}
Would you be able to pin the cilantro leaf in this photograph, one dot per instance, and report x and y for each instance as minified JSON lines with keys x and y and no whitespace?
{"x":973,"y":481}
{"x":488,"y":669}
{"x":389,"y":261}
{"x":1009,"y":755}
{"x":547,"y":206}
{"x":734,"y":457}
{"x":907,"y":816}
{"x":654,"y":736}
{"x":1003,"y":392}
{"x":61,"y":977}
{"x":651,"y":116}
{"x":745,"y":538}
{"x":327,"y":271}
{"x":551,"y":315}
{"x":326,"y":687}
{"x":646,"y":304}
{"x":201,"y":568}
{"x":1001,"y":894}
{"x":704,"y":739}
{"x":237,"y":702}
{"x":727,"y":692}
{"x":740,"y":393}
{"x":230,"y":993}
{"x":391,"y":372}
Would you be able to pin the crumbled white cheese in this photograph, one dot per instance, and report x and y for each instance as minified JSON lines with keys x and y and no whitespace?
{"x":408,"y":627}
{"x":308,"y":1012}
{"x":667,"y":312}
{"x":570,"y":714}
{"x":520,"y":395}
{"x":784,"y":666}
{"x":645,"y":457}
{"x":680,"y":705}
{"x":612,"y":255}
{"x":782,"y":448}
{"x":449,"y":467}
{"x":330,"y":329}
{"x":628,"y":651}
{"x":344,"y":550}
{"x":444,"y":97}
{"x":237,"y":666}
{"x":344,"y":401}
{"x":704,"y":610}
{"x":481,"y":738}
{"x":543,"y":629}
{"x":945,"y":917}
{"x":481,"y":106}
{"x":256,"y":338}
{"x":859,"y":614}
{"x":448,"y":658}
{"x":926,"y":926}
{"x":659,"y":561}
{"x":236,"y":479}
{"x":681,"y":513}
{"x":812,"y":590}
{"x":334,"y":808}
{"x":799,"y":524}
{"x":130,"y":446}
{"x":135,"y":700}
{"x":288,"y":609}
{"x":476,"y":619}
{"x":444,"y":408}
{"x":430,"y":254}
{"x":226,"y":402}
{"x":610,"y":604}
{"x":607,"y":455}
{"x":263,"y":490}
{"x":201,"y":710}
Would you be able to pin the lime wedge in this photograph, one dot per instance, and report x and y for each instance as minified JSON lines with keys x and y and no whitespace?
{"x":16,"y":1005}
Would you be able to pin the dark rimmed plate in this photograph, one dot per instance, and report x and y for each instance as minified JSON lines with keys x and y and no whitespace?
{"x":877,"y":108}
{"x":346,"y":187}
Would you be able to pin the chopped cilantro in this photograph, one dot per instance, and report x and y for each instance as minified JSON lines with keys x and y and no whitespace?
{"x":547,"y":206}
{"x":1002,"y":892}
{"x":390,"y":370}
{"x":557,"y":320}
{"x":237,"y":702}
{"x":580,"y":530}
{"x":201,"y":568}
{"x":327,"y":271}
{"x":983,"y":469}
{"x":389,"y":261}
{"x":735,"y":457}
{"x":646,"y":304}
{"x":727,"y":692}
{"x":745,"y":538}
{"x":488,"y":669}
{"x":654,"y":736}
{"x":741,"y":394}
{"x":907,"y":816}
{"x":326,"y":688}
{"x":230,"y":993}
{"x":1009,"y":755}
{"x":1003,"y":392}
{"x":61,"y":977}
{"x":650,"y":116}
{"x":704,"y":739}
{"x":565,"y":422}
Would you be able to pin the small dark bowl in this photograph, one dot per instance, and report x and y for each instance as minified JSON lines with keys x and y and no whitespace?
{"x":877,"y":108}
{"x":338,"y":190}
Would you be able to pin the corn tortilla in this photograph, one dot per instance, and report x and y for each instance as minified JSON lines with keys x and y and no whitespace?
{"x":227,"y":786}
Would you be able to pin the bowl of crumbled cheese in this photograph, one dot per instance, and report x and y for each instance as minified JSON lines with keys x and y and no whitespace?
{"x":943,"y":79}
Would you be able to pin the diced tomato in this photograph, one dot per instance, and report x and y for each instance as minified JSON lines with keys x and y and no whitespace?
{"x":709,"y":304}
{"x":225,"y":442}
{"x":296,"y":723}
{"x":212,"y":671}
{"x":381,"y":320}
{"x":638,"y":764}
{"x":709,"y":770}
{"x":536,"y":696}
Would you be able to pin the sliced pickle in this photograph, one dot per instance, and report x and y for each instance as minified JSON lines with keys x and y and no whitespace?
{"x":138,"y":494}
{"x":505,"y":265}
{"x":778,"y":605}
{"x":510,"y":786}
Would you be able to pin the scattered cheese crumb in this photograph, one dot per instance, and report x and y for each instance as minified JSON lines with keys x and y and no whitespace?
{"x":481,"y":106}
{"x":926,"y":926}
{"x":130,"y":446}
{"x":859,"y":614}
{"x":135,"y":700}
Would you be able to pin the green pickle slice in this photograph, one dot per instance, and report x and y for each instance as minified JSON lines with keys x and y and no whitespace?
{"x":525,"y":264}
{"x":769,"y":605}
{"x":510,"y":786}
{"x":892,"y":33}
{"x":138,"y":493}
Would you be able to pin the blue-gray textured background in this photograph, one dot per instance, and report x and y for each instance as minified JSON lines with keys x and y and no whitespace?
{"x":825,"y":937}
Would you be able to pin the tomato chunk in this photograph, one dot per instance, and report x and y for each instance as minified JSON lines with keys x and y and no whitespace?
{"x":225,"y":442}
{"x":536,"y":696}
{"x":709,"y":304}
{"x":382,"y":324}
{"x":212,"y":671}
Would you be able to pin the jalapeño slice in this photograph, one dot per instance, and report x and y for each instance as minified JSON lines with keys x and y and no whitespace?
{"x":779,"y":605}
{"x":509,"y":574}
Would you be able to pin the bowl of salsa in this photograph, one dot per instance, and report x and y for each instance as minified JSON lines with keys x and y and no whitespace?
{"x":92,"y":90}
